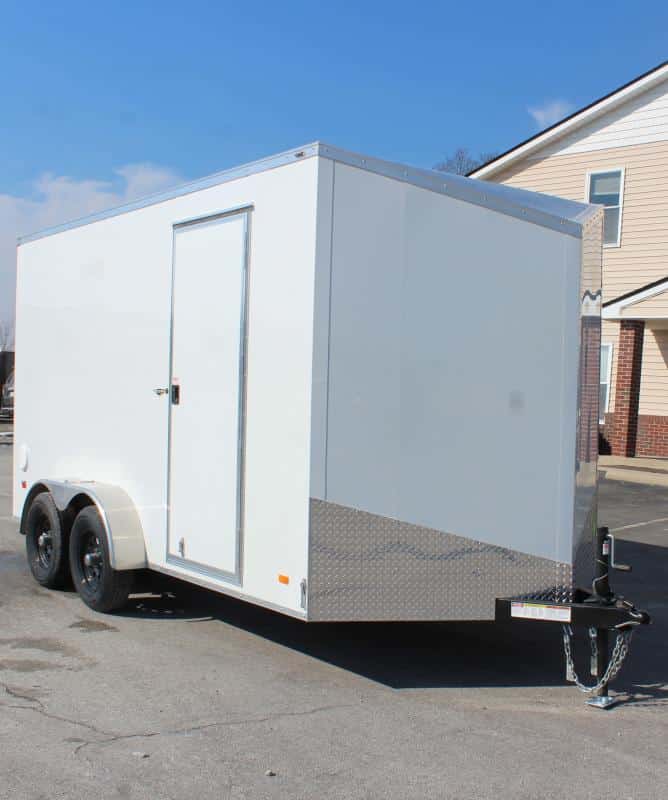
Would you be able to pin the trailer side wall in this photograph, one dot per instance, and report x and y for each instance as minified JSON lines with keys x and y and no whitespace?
{"x":93,"y":342}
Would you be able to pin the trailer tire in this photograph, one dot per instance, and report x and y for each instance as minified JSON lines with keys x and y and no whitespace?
{"x":100,"y":587}
{"x":46,"y":543}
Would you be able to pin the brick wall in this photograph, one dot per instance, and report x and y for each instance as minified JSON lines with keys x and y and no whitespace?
{"x":623,"y":436}
{"x":651,"y":436}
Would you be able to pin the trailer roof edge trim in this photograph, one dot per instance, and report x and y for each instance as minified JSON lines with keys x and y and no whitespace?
{"x":566,"y":216}
{"x":217,"y":178}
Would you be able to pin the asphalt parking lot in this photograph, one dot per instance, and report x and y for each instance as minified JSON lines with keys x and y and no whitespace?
{"x":192,"y":695}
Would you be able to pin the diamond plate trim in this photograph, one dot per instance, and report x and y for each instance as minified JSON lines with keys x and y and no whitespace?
{"x":365,"y":567}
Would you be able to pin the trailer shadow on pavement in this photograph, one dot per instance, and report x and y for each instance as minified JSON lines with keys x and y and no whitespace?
{"x":435,"y":655}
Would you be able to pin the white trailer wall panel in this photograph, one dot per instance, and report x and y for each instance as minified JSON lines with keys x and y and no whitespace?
{"x":448,"y":369}
{"x":411,"y":388}
{"x":93,"y":331}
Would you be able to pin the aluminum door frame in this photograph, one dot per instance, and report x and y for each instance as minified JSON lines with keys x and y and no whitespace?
{"x":196,"y":566}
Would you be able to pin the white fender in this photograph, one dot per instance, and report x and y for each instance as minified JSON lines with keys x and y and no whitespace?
{"x":125,"y":536}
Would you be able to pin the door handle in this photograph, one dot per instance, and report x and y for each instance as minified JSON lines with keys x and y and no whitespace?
{"x":160,"y":391}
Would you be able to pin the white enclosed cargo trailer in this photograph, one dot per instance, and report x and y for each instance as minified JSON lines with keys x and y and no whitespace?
{"x":334,"y":386}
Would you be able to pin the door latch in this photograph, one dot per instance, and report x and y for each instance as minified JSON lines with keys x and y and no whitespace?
{"x":160,"y":391}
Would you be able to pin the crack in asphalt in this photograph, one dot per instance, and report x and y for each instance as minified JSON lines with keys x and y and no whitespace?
{"x":40,"y":709}
{"x":111,"y":738}
{"x":207,"y":725}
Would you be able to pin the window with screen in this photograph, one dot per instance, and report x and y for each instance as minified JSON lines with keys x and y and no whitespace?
{"x":605,"y":188}
{"x":604,"y":385}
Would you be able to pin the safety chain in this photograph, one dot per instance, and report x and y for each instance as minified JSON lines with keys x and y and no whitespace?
{"x":619,"y":653}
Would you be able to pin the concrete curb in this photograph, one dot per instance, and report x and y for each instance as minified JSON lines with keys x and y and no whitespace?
{"x":634,"y":476}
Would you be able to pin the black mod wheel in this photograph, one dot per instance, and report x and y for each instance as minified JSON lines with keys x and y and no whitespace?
{"x":45,"y":545}
{"x":100,"y":587}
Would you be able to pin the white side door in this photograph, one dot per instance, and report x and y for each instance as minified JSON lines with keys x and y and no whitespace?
{"x":206,"y":427}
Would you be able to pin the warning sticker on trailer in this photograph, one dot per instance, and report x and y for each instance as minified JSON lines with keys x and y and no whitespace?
{"x":540,"y":611}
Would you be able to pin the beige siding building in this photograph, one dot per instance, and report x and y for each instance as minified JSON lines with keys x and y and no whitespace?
{"x":615,"y":152}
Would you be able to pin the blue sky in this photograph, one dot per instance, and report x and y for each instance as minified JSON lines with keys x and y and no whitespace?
{"x":161,"y":91}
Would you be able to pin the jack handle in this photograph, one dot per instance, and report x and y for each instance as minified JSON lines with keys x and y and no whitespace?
{"x":613,"y":564}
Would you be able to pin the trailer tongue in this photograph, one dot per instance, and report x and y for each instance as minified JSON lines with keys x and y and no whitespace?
{"x":600,"y":611}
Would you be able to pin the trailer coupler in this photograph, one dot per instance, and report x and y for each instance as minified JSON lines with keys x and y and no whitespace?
{"x":600,"y":611}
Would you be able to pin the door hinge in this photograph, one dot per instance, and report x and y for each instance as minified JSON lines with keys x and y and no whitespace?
{"x":302,"y":593}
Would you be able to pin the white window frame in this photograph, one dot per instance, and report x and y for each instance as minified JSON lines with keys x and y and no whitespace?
{"x":622,"y":176}
{"x":603,"y":411}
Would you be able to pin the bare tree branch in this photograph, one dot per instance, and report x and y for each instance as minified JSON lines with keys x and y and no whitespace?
{"x":461,"y":162}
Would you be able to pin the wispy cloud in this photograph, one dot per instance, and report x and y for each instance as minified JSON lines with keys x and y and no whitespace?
{"x":54,"y":199}
{"x":550,"y":112}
